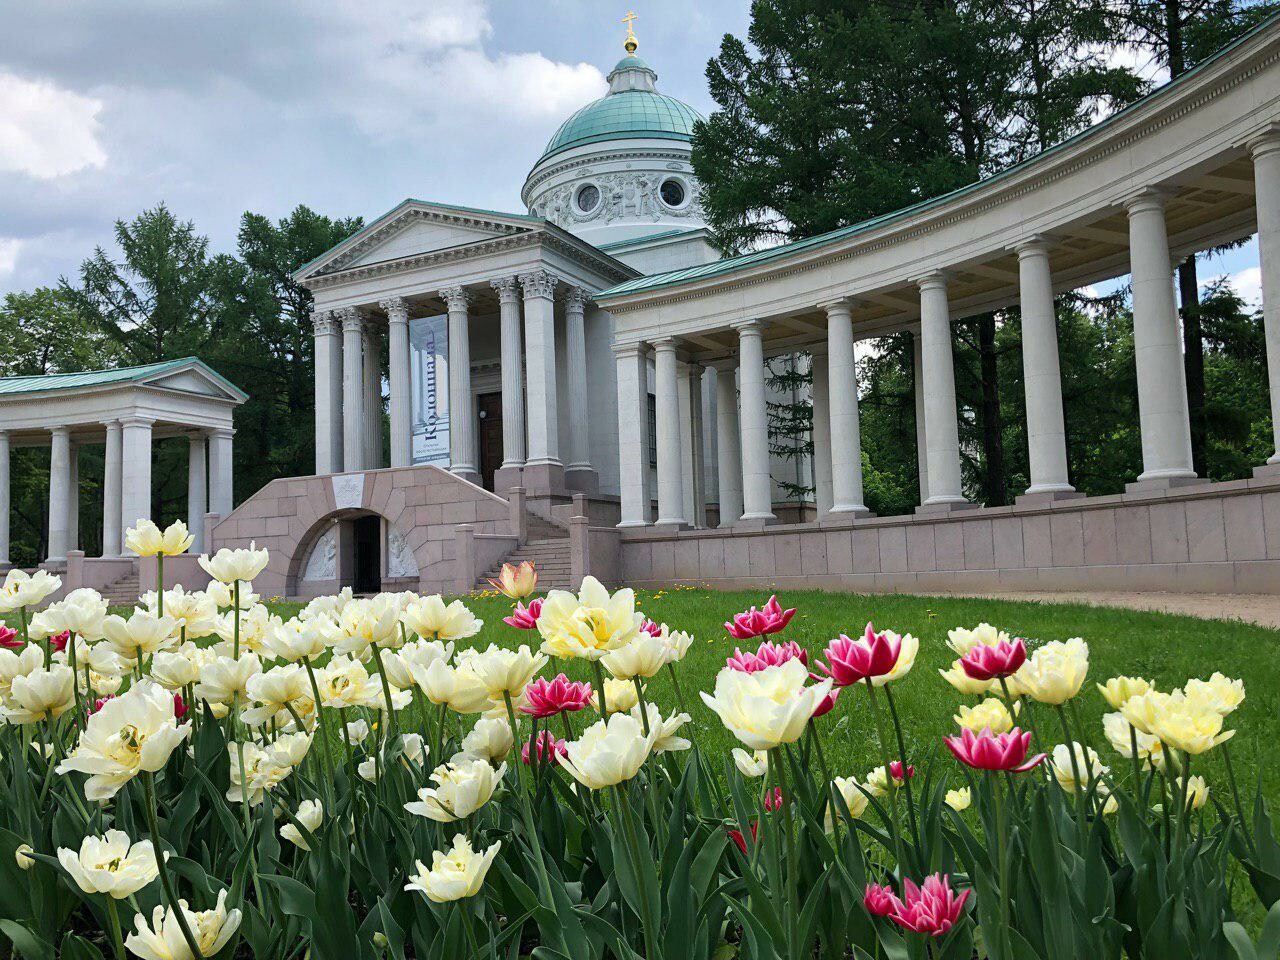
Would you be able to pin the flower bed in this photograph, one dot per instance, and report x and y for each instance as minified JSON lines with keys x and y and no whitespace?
{"x":372,"y":778}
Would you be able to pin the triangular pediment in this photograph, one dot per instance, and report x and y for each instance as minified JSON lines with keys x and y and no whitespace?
{"x":415,"y":228}
{"x":197,"y":379}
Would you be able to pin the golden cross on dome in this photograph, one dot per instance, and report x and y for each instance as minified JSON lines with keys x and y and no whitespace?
{"x":631,"y":43}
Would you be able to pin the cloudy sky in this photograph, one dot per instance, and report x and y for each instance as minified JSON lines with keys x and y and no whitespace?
{"x":217,"y":106}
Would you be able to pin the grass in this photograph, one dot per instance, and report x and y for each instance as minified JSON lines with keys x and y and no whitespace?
{"x":1168,"y":649}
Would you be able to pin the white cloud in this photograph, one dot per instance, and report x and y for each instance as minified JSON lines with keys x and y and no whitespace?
{"x":527,"y":86}
{"x":1246,"y":284}
{"x":461,"y":23}
{"x":9,"y":247}
{"x":47,"y":132}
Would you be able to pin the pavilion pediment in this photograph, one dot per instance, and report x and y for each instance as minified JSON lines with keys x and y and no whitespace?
{"x":413,"y":229}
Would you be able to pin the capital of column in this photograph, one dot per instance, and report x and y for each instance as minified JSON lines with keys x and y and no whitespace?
{"x":136,"y":421}
{"x":1146,"y":198}
{"x":1264,"y":141}
{"x":396,"y":308}
{"x":350,"y":319}
{"x":636,"y":349}
{"x":933,"y":280}
{"x":749,"y":328}
{"x":1033,"y":246}
{"x":576,"y":299}
{"x":508,"y":289}
{"x":539,"y":283}
{"x":838,"y":306}
{"x":455,"y":298}
{"x":222,"y":433}
{"x":324,"y":323}
{"x":60,"y":430}
{"x":664,"y":345}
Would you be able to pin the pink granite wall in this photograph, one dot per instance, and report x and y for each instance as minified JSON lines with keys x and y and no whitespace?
{"x":423,"y":503}
{"x":1221,"y":538}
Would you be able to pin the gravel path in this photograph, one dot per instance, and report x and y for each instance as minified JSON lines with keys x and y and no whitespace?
{"x":1259,"y":608}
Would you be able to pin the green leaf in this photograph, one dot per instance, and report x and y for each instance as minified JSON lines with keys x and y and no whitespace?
{"x":25,"y":942}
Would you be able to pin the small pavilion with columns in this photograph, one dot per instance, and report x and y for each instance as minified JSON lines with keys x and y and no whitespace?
{"x":124,"y":411}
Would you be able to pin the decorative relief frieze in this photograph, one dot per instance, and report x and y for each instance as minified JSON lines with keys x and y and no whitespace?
{"x":623,"y":196}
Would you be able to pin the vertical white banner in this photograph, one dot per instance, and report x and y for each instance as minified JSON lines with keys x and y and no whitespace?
{"x":429,"y":346}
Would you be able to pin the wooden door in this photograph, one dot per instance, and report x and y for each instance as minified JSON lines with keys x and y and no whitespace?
{"x":490,"y":409}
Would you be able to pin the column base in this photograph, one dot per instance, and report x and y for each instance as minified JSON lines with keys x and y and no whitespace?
{"x":582,"y":478}
{"x":837,"y":517}
{"x":505,"y":478}
{"x":1149,"y":484}
{"x":943,"y":507}
{"x":1267,"y":471}
{"x":543,"y":478}
{"x":672,"y":526}
{"x":1034,"y":496}
{"x":754,"y":522}
{"x":467,"y":474}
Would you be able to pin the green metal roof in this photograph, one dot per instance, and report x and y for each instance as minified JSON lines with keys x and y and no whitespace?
{"x":96,"y":378}
{"x":637,"y":241}
{"x":744,"y":261}
{"x":625,"y":115}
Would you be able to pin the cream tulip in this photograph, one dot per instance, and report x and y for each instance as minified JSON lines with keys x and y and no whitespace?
{"x":590,"y":624}
{"x":455,"y":875}
{"x":458,"y":687}
{"x":959,"y":799}
{"x":609,"y":752}
{"x":143,"y":634}
{"x":40,"y":695}
{"x":853,"y":798}
{"x":504,"y":672}
{"x":1076,"y":773}
{"x":1117,"y":690}
{"x":110,"y":864}
{"x":22,"y":589}
{"x":962,"y":640}
{"x":619,"y":695}
{"x":227,"y":565}
{"x":346,"y":683}
{"x":991,"y":713}
{"x":131,"y":734}
{"x":310,"y":814}
{"x":224,"y":678}
{"x":431,"y":619}
{"x":643,"y":657}
{"x":463,"y":786}
{"x":964,"y":683}
{"x":162,"y":939}
{"x":490,"y":739}
{"x":1055,"y":672}
{"x":665,"y":730}
{"x":769,"y":707}
{"x":1217,"y":693}
{"x":751,"y":765}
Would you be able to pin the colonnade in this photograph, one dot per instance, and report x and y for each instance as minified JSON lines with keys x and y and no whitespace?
{"x":349,"y":378}
{"x":126,"y":485}
{"x":742,"y":419}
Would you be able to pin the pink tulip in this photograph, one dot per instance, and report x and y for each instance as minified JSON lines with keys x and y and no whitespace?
{"x":773,"y":799}
{"x":59,"y":641}
{"x":549,"y":750}
{"x":9,"y":638}
{"x":516,"y":581}
{"x":737,"y":837}
{"x":828,"y":703}
{"x":931,"y":908}
{"x":651,"y":628}
{"x":179,"y":707}
{"x":880,"y":901}
{"x":546,"y":697}
{"x":852,"y":661}
{"x":769,"y":654}
{"x":525,"y":618}
{"x":994,"y":751}
{"x":990,"y":662}
{"x":896,"y":771}
{"x":770,"y":618}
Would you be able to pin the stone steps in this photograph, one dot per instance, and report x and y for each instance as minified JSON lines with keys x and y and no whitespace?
{"x":123,"y":592}
{"x":550,"y":557}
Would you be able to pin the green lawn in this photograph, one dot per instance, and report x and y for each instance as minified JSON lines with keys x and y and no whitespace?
{"x":1168,"y":649}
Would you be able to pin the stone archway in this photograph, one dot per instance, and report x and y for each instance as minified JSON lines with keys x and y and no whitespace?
{"x":357,"y":548}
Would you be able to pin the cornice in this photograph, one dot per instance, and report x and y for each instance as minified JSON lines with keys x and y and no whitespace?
{"x":612,"y":156}
{"x":982,"y":197}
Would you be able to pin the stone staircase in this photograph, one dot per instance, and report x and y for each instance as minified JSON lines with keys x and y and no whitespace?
{"x":548,"y":547}
{"x":123,"y":592}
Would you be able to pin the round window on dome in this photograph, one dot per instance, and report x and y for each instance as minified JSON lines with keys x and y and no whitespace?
{"x":672,"y":192}
{"x":587,"y":197}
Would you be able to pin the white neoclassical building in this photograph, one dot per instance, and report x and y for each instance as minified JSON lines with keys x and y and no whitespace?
{"x":586,"y":383}
{"x":124,"y":411}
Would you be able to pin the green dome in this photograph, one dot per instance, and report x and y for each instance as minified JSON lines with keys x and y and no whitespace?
{"x":625,"y":115}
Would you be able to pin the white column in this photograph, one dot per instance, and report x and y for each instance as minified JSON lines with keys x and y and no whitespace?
{"x":1157,"y":345}
{"x":462,"y":414}
{"x":540,"y":365}
{"x":73,"y":497}
{"x":111,"y":486}
{"x":633,"y":433}
{"x":728,"y":451}
{"x":670,"y":468}
{"x":135,"y":471}
{"x":197,"y":490}
{"x":575,"y":332}
{"x":1041,"y":374}
{"x":942,"y":431}
{"x":59,"y":491}
{"x":696,"y":492}
{"x":371,"y":375}
{"x":221,"y":491}
{"x":757,"y":488}
{"x":513,"y":448}
{"x":820,"y":434}
{"x":398,"y":373}
{"x":922,"y":446}
{"x":845,"y":427}
{"x":5,"y":497}
{"x":328,"y":372}
{"x":1266,"y":187}
{"x":352,"y":390}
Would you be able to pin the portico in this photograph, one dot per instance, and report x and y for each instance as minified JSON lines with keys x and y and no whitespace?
{"x":124,"y":411}
{"x":514,"y":295}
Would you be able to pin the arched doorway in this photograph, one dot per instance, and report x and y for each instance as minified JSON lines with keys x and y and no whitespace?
{"x":365,"y":568}
{"x":359,"y":549}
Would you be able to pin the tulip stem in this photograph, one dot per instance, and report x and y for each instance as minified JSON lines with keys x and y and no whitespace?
{"x":1079,"y":788}
{"x":792,"y":864}
{"x":1002,"y":855}
{"x":470,"y":929}
{"x":902,"y":758}
{"x":166,"y":884}
{"x":1235,"y":795}
{"x":392,"y":723}
{"x":599,"y":671}
{"x":159,"y":584}
{"x":113,"y":921}
{"x":633,"y":842}
{"x":888,"y":777}
{"x":324,"y":730}
{"x":1183,"y":786}
{"x":526,"y":810}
